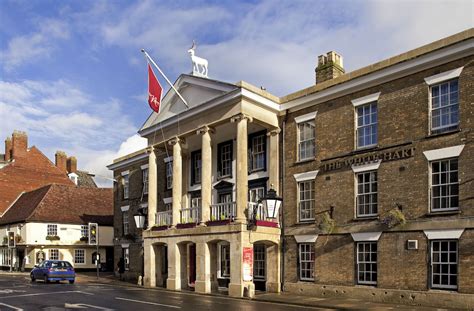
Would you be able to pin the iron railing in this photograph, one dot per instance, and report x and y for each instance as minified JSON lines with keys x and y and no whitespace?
{"x":164,"y":218}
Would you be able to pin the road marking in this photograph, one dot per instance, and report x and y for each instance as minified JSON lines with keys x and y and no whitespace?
{"x":83,"y":305}
{"x":48,"y":293}
{"x":149,"y":303}
{"x":11,"y":307}
{"x":9,"y":291}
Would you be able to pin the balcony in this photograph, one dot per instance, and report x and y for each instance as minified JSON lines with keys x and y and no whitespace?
{"x":164,"y":220}
{"x":222,"y":213}
{"x":258,"y":215}
{"x":189,"y":217}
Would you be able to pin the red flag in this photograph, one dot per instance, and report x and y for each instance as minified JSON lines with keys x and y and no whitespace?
{"x":154,"y":91}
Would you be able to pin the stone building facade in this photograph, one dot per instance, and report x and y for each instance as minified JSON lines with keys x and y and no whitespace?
{"x":375,"y":167}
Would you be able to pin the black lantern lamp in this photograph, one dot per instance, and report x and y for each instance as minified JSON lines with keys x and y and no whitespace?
{"x":139,"y":220}
{"x":271,"y":204}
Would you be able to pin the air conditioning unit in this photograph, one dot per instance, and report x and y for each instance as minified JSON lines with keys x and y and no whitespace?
{"x":412,"y":244}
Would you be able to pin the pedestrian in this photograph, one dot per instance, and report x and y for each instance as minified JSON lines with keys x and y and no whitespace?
{"x":121,"y":267}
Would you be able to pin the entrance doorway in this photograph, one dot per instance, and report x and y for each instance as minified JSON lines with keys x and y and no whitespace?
{"x":259,"y":266}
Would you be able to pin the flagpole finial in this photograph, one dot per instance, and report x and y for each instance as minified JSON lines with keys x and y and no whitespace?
{"x":143,"y":50}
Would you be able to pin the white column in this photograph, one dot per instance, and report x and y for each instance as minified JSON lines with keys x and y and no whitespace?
{"x":177,"y":178}
{"x":174,"y":267}
{"x":242,"y":165}
{"x":152,"y":187}
{"x":273,"y":163}
{"x":150,"y":264}
{"x":206,"y":173}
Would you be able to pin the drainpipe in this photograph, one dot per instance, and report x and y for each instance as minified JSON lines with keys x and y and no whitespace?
{"x":282,"y":187}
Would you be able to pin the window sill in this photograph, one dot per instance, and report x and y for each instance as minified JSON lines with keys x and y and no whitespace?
{"x":443,"y":213}
{"x":366,"y":218}
{"x":365,"y":148}
{"x":450,"y":132}
{"x":224,"y":177}
{"x":305,"y":161}
{"x":305,"y":222}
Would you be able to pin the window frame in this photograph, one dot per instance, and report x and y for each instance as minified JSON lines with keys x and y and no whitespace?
{"x":450,"y":127}
{"x":145,"y":177}
{"x":370,"y":193}
{"x":52,"y":230}
{"x":169,"y":175}
{"x":448,"y":184}
{"x":312,"y":200}
{"x":125,"y":223}
{"x":224,"y":264}
{"x":310,"y":140}
{"x":196,"y":167}
{"x":220,"y":162}
{"x":365,"y":262}
{"x":259,"y":262}
{"x":253,"y":145}
{"x":311,"y":262}
{"x":126,"y":186}
{"x":369,"y":125}
{"x":441,"y":263}
{"x":83,"y":256}
{"x":50,"y":254}
{"x":84,"y":231}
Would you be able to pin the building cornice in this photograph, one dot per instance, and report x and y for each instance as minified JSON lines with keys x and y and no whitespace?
{"x":128,"y":161}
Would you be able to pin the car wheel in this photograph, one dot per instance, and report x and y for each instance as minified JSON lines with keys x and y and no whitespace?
{"x":46,"y":279}
{"x":71,"y":281}
{"x":32,"y":278}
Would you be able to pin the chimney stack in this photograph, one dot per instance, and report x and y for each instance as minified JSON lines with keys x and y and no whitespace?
{"x":19,"y":144}
{"x":71,"y":164}
{"x":61,"y":160}
{"x":330,"y":66}
{"x":8,"y":149}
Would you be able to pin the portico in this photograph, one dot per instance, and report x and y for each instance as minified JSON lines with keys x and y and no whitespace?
{"x":222,"y":160}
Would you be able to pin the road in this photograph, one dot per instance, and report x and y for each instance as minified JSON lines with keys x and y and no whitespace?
{"x":19,"y":293}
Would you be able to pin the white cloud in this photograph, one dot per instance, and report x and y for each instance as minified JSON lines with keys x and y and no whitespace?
{"x":36,"y":45}
{"x":276,"y":44}
{"x":83,"y":127}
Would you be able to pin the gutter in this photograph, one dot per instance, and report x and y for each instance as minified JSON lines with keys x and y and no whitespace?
{"x":282,"y":186}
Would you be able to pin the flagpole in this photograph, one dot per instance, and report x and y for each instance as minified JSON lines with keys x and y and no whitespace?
{"x":164,"y":76}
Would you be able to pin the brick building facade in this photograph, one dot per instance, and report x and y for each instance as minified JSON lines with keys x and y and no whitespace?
{"x":382,"y":207}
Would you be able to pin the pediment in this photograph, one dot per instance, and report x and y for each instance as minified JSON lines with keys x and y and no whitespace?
{"x":195,"y":90}
{"x":224,"y":185}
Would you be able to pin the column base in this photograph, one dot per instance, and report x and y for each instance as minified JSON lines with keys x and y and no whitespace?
{"x":147,"y":282}
{"x":203,"y":287}
{"x":173,"y":284}
{"x":236,"y":290}
{"x":272,"y":287}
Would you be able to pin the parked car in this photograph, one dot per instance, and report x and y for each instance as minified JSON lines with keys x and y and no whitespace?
{"x":53,"y":270}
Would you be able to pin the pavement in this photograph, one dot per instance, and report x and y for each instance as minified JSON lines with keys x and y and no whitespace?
{"x":109,"y":293}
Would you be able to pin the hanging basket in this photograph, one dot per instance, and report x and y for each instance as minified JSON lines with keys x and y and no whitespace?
{"x":394,"y":217}
{"x":327,"y":224}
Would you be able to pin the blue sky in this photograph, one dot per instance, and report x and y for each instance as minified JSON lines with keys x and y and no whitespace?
{"x":73,"y":77}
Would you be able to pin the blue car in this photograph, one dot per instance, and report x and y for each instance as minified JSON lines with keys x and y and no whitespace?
{"x":53,"y":270}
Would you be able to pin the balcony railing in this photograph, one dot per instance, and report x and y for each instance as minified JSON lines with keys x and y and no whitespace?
{"x":223,"y":211}
{"x":190,"y":215}
{"x":164,"y":218}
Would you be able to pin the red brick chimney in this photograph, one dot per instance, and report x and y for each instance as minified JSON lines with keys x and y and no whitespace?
{"x":8,"y":149}
{"x":61,"y":160}
{"x":71,"y":165}
{"x":19,"y":144}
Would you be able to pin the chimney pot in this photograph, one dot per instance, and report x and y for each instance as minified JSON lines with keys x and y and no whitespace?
{"x":330,"y":66}
{"x":61,"y":160}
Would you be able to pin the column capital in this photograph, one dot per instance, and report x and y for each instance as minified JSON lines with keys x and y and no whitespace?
{"x":274,"y":132}
{"x":173,"y":141}
{"x":205,"y":129}
{"x":239,"y":117}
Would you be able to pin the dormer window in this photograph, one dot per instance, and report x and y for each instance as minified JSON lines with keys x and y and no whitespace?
{"x":73,"y":177}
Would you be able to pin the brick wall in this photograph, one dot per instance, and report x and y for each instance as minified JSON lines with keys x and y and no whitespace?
{"x":403,"y":120}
